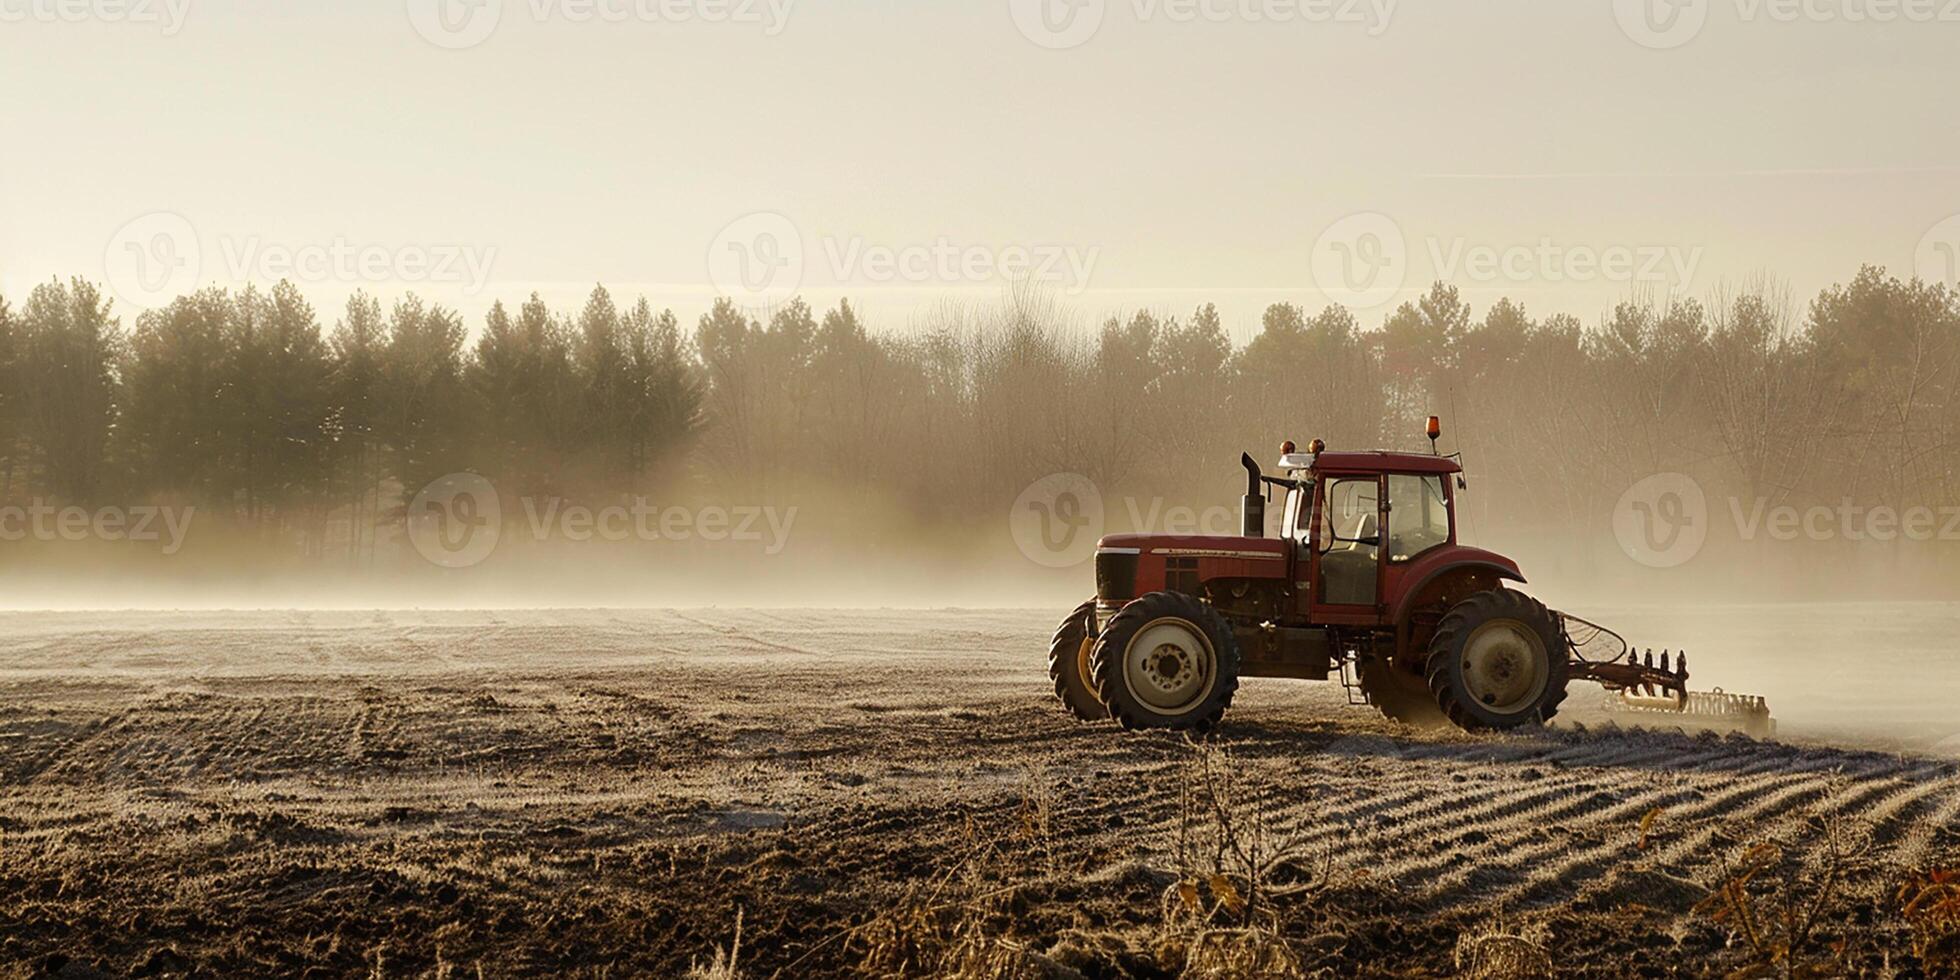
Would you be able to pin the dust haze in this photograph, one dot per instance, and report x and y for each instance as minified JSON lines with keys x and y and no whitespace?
{"x":613,"y":489}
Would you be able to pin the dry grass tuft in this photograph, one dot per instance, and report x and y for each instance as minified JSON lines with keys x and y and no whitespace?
{"x":1501,"y":954}
{"x":1222,"y":917}
{"x":726,"y":964}
{"x":1930,"y":903}
{"x":1774,"y":902}
{"x":955,"y":926}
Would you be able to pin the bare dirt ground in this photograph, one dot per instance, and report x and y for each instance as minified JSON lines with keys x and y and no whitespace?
{"x":607,"y":794}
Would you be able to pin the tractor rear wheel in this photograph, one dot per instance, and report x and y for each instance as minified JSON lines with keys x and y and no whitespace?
{"x":1166,"y":660}
{"x":1400,"y":695}
{"x":1497,"y":660}
{"x":1068,"y":665}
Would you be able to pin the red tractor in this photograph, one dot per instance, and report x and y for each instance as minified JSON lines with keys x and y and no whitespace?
{"x":1366,"y":578}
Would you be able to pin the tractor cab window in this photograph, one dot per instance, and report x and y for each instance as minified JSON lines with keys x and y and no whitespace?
{"x":1418,"y":516}
{"x":1348,"y":521}
{"x":1350,"y":541}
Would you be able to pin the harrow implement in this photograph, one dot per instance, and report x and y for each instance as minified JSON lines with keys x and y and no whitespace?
{"x":1646,"y":692}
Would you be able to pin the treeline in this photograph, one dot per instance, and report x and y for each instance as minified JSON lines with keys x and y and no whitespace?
{"x":241,"y":404}
{"x":245,"y":404}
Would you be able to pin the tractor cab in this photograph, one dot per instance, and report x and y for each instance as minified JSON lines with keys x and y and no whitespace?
{"x":1357,"y":522}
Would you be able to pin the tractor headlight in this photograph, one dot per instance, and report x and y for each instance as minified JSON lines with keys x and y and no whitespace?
{"x":1116,"y":573}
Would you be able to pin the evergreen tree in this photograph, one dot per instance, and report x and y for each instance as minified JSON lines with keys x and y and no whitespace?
{"x":71,"y":346}
{"x":10,"y":398}
{"x":359,"y":357}
{"x":426,"y":404}
{"x":178,"y":409}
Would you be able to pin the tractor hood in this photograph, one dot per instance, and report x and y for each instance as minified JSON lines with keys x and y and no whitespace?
{"x":1194,"y":544}
{"x":1130,"y":565}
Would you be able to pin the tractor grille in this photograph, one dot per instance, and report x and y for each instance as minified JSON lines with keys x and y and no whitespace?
{"x":1116,"y":575}
{"x":1181,"y":575}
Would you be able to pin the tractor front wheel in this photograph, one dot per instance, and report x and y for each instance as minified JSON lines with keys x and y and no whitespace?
{"x":1068,"y":664}
{"x":1497,"y":660}
{"x":1166,"y":660}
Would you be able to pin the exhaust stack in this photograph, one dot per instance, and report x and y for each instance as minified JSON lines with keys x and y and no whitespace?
{"x":1252,"y":508}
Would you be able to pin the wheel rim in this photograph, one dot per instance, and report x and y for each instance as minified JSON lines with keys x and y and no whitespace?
{"x":1504,"y":666}
{"x":1083,"y":672}
{"x":1170,"y":666}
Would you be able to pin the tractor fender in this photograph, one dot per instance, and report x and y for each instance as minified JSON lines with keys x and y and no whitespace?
{"x":1444,"y":562}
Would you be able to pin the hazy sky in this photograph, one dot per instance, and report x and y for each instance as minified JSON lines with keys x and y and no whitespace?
{"x":1136,"y":152}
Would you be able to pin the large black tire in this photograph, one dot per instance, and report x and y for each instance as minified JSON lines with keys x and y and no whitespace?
{"x":1166,"y":660}
{"x":1400,"y":695}
{"x":1068,"y":666}
{"x":1497,"y":660}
